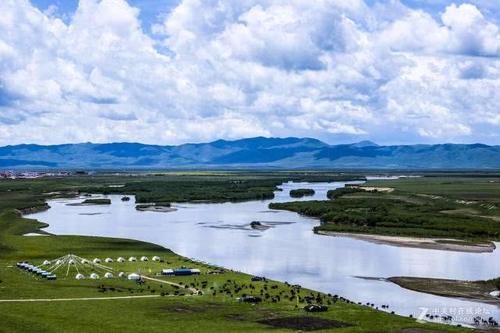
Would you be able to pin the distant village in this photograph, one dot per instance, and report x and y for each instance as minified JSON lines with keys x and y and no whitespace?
{"x":33,"y":174}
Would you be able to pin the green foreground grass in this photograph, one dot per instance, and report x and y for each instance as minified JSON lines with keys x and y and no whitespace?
{"x":216,"y":310}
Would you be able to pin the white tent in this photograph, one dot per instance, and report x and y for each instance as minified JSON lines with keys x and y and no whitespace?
{"x":108,"y":275}
{"x":46,"y":262}
{"x":121,"y":274}
{"x":59,"y":262}
{"x":84,"y":261}
{"x":134,"y":277}
{"x":131,"y":259}
{"x":71,"y":261}
{"x":156,"y":258}
{"x":495,"y":293}
{"x":96,"y":260}
{"x":94,"y":276}
{"x":79,"y":276}
{"x":120,"y":259}
{"x":109,"y":260}
{"x":144,"y":259}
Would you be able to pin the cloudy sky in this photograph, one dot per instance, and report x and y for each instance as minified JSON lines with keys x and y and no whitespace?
{"x":174,"y":71}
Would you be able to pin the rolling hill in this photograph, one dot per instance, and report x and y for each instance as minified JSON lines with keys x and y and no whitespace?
{"x":259,"y":152}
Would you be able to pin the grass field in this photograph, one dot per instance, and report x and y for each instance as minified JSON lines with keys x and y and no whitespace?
{"x":449,"y":207}
{"x":168,"y":308}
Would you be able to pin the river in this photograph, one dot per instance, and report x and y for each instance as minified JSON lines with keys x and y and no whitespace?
{"x":289,"y":251}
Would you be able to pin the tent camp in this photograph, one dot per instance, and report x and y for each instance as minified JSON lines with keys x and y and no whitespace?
{"x":144,"y":259}
{"x":132,"y":259}
{"x":108,"y":260}
{"x":94,"y":276}
{"x":134,"y":277}
{"x":120,"y":259}
{"x":108,"y":275}
{"x":80,"y":276}
{"x":156,"y":258}
{"x":96,"y":261}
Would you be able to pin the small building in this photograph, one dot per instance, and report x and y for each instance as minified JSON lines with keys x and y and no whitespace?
{"x":96,"y":261}
{"x":121,"y":259}
{"x":132,"y":259}
{"x":134,"y":277}
{"x":108,"y":260}
{"x":156,"y":258}
{"x":94,"y":276}
{"x":51,"y":277}
{"x":167,"y":271}
{"x":80,"y":276}
{"x":144,"y":259}
{"x":195,"y":271}
{"x":108,"y":275}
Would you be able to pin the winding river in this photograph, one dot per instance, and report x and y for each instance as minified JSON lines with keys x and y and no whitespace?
{"x":220,"y":234}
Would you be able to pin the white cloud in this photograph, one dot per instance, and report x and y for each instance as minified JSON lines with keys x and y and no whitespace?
{"x":229,"y":69}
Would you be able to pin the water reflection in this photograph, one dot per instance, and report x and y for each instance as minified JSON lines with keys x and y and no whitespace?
{"x":287,"y":252}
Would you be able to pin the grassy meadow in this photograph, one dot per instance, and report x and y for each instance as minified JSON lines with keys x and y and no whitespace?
{"x":168,"y":304}
{"x":466,"y":208}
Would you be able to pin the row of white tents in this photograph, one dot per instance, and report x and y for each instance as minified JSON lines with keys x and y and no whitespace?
{"x":122,"y":259}
{"x":91,"y":269}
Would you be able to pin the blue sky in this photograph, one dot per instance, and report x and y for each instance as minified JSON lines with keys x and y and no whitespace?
{"x":151,"y":10}
{"x":167,"y":72}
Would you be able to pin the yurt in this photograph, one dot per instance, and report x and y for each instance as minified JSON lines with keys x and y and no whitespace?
{"x":59,"y":262}
{"x":121,"y":259}
{"x":85,"y":261}
{"x":134,"y":277}
{"x":96,"y":261}
{"x":94,"y":276}
{"x":109,"y":260}
{"x":46,"y":262}
{"x":71,"y":261}
{"x":121,"y":274}
{"x":80,"y":276}
{"x":132,"y":259}
{"x":108,"y":275}
{"x":156,"y":258}
{"x":144,"y":259}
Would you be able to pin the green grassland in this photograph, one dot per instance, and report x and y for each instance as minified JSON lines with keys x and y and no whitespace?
{"x":168,"y":308}
{"x":466,"y":208}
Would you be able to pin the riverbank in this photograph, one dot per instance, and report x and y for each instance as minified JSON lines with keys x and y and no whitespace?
{"x":479,"y":291}
{"x":216,"y":309}
{"x":421,"y":243}
{"x":126,"y":305}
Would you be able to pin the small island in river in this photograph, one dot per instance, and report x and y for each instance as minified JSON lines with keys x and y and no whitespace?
{"x":301,"y":192}
{"x":89,"y":202}
{"x":481,"y":291}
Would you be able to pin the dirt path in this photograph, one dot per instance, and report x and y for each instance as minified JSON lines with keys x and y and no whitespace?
{"x":75,"y":299}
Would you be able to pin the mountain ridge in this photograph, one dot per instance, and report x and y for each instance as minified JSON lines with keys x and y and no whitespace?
{"x":262,"y":152}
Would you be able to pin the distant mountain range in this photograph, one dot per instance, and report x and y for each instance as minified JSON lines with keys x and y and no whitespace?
{"x":280,"y":153}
